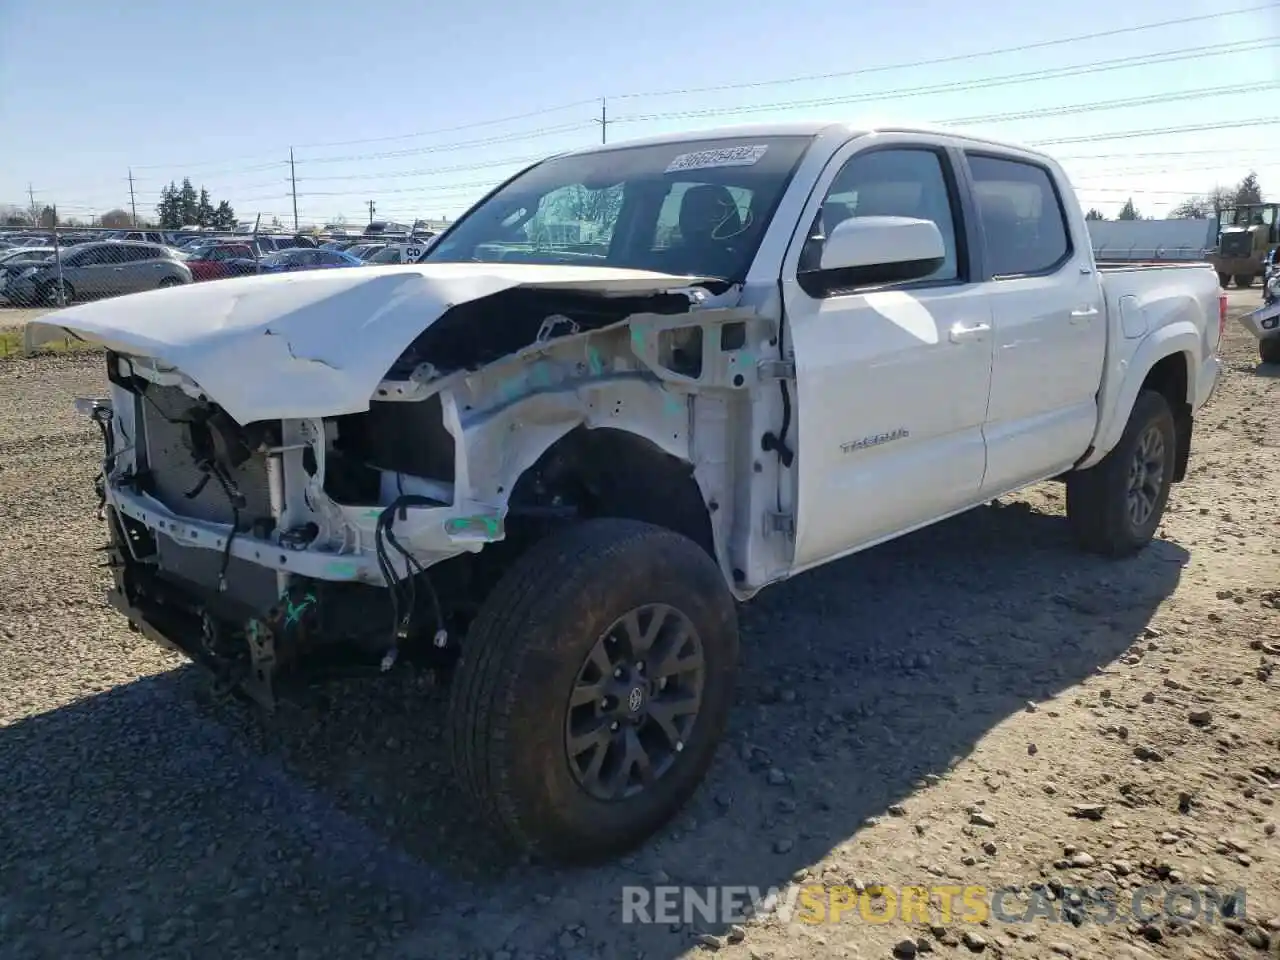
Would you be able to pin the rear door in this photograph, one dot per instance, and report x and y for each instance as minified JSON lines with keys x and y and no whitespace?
{"x":137,"y":270}
{"x":88,"y":270}
{"x":1050,"y":320}
{"x":892,"y":381}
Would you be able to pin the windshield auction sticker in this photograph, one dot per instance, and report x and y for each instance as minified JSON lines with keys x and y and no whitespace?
{"x":722,"y":157}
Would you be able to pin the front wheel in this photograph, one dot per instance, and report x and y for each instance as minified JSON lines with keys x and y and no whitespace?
{"x":593,"y":688}
{"x":1244,"y":280}
{"x":1269,"y":350}
{"x":1115,"y":506}
{"x":169,"y":282}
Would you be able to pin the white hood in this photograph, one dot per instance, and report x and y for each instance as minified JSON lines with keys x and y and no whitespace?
{"x":314,"y":343}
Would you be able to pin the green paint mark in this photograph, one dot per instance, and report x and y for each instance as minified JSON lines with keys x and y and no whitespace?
{"x":672,"y":403}
{"x":637,"y":340}
{"x":488,"y":525}
{"x":540,"y":376}
{"x":293,"y":611}
{"x":594,"y":363}
{"x":343,"y":568}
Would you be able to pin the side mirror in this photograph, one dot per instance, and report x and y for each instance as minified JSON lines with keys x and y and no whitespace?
{"x":864,"y":251}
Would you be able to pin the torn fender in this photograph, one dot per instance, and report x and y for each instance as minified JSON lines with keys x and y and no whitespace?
{"x":315,"y":343}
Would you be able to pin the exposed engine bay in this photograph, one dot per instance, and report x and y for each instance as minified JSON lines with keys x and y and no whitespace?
{"x":268,"y":548}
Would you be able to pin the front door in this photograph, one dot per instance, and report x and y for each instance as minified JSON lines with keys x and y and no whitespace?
{"x":892,"y":381}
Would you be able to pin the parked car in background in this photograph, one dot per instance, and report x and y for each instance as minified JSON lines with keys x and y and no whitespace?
{"x":379,"y":227}
{"x":103,"y":268}
{"x":306,"y":258}
{"x":217,"y":261}
{"x":397,"y":253}
{"x":18,"y":262}
{"x":142,"y":236}
{"x":24,"y":253}
{"x":365,"y":250}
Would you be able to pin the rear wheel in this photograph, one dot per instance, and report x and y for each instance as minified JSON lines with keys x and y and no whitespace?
{"x":593,"y":688}
{"x":1115,"y":506}
{"x":1244,"y":280}
{"x":1224,"y":280}
{"x":169,"y":282}
{"x":1269,"y":350}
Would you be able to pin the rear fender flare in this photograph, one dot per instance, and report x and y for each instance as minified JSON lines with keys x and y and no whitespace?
{"x":1180,"y":337}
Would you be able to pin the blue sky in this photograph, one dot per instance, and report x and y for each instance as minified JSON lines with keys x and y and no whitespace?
{"x":372,"y":96}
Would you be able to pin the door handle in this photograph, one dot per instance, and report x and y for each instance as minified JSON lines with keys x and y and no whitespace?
{"x":961,"y":333}
{"x":1083,"y":314}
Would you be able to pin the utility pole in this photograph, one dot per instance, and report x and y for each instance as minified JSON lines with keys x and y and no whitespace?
{"x":372,"y":207}
{"x":133,"y":203}
{"x":604,"y":121}
{"x":35,"y":214}
{"x":293,"y":179}
{"x":57,"y":260}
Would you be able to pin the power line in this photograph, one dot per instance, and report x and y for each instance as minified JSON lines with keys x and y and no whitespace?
{"x":953,"y":58}
{"x":1054,"y":73}
{"x":1201,"y":94}
{"x":430,"y":171}
{"x":458,"y":145}
{"x":1155,"y":132}
{"x":456,"y":129}
{"x":1229,"y":151}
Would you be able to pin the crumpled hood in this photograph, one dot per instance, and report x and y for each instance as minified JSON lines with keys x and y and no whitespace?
{"x":312,"y":343}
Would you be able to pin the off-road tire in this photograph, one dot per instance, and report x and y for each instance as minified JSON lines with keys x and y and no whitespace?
{"x":1224,"y":280}
{"x":1269,"y":350}
{"x":1097,"y":497}
{"x":1244,"y":280}
{"x":521,"y":657}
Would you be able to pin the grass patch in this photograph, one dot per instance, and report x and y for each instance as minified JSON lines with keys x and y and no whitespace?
{"x":11,"y":344}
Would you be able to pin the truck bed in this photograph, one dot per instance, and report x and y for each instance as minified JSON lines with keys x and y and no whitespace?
{"x":1117,"y":266}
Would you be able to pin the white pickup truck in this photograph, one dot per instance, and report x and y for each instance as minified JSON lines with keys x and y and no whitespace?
{"x":630,"y":385}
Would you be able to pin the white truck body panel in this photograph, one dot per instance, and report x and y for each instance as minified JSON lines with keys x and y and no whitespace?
{"x":908,"y":404}
{"x":310,"y":344}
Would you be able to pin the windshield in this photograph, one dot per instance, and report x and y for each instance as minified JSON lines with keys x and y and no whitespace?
{"x":693,"y":208}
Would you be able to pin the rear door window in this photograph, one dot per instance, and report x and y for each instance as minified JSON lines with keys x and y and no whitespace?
{"x":1023,"y":221}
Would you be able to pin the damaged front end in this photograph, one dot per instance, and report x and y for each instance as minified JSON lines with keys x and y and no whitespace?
{"x":270,"y":549}
{"x":225,"y":543}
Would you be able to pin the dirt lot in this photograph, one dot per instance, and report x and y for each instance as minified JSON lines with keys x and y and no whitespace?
{"x":929,"y":713}
{"x":14,"y":317}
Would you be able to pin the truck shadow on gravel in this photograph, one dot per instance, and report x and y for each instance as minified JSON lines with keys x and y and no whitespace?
{"x":339,"y":826}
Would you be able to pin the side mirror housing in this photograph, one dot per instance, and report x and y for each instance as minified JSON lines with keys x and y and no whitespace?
{"x":868,"y":251}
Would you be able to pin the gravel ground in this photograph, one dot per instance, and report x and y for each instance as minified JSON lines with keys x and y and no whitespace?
{"x":933,"y":711}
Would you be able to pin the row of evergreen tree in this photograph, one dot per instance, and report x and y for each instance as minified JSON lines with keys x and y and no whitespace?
{"x":183,"y":206}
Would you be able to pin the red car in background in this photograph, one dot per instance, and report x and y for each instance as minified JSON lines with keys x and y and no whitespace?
{"x":219,"y":260}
